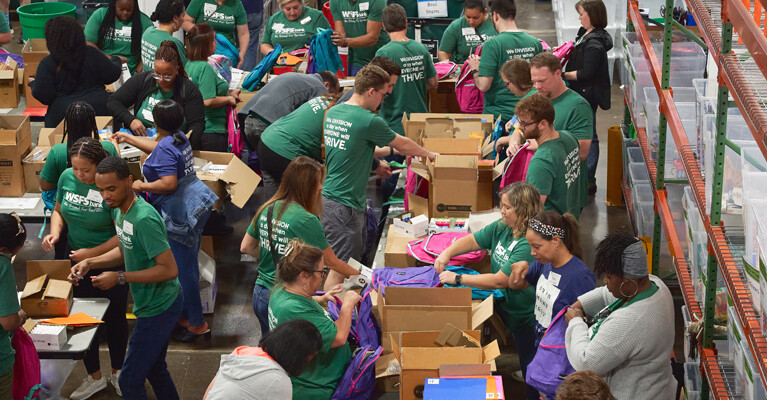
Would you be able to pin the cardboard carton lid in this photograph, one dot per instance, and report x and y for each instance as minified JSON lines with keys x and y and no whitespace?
{"x":54,"y":269}
{"x":418,"y":204}
{"x":35,"y":46}
{"x":418,"y":350}
{"x":13,"y":129}
{"x":460,"y":297}
{"x":240,"y":179}
{"x":481,"y":312}
{"x":33,"y":286}
{"x":452,"y":336}
{"x":10,"y":73}
{"x":37,"y":155}
{"x":57,"y":289}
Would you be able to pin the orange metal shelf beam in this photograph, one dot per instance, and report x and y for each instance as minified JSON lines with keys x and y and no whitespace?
{"x":714,"y":374}
{"x":748,"y":31}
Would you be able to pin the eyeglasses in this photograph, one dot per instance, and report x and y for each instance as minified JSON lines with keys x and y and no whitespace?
{"x":323,"y":273}
{"x":18,"y":224}
{"x":524,"y":125}
{"x":506,"y":84}
{"x":166,"y":78}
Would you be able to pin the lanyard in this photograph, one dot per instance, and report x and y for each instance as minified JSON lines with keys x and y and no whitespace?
{"x":602,"y":315}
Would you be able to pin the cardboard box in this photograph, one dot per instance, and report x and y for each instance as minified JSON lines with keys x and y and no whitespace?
{"x":420,"y":357}
{"x":454,"y":186}
{"x":47,"y":337}
{"x":9,"y":85}
{"x":395,"y":253}
{"x":387,"y":374}
{"x":408,"y":225}
{"x":421,"y":125}
{"x":47,"y":292}
{"x":33,"y":164}
{"x":233,"y":178}
{"x":15,"y":142}
{"x":443,"y":99}
{"x":51,"y":136}
{"x":208,"y":283}
{"x":33,"y":52}
{"x":455,"y":146}
{"x":20,"y":78}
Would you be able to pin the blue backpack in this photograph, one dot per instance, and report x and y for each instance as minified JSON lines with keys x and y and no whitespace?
{"x":225,"y":48}
{"x":323,"y":53}
{"x":251,"y":81}
{"x":365,"y":330}
{"x":359,"y":380}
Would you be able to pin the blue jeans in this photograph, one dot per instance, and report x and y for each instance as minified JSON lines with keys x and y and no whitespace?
{"x":189,"y":278}
{"x":353,"y":70}
{"x":255,"y":20}
{"x":261,"y":307}
{"x":525,"y":343}
{"x":593,"y":157}
{"x":146,"y":355}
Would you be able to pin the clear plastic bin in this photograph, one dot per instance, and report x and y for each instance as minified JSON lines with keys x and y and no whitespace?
{"x":674,"y":165}
{"x":642,"y":193}
{"x":706,"y":99}
{"x":635,"y":155}
{"x":645,"y":218}
{"x":692,"y":379}
{"x":681,"y":95}
{"x":628,"y":145}
{"x":638,"y":174}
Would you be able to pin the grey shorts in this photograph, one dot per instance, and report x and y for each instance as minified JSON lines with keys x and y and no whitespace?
{"x":254,"y":127}
{"x":345,"y":229}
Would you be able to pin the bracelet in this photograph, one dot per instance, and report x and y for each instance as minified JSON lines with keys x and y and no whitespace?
{"x":391,"y":151}
{"x":346,"y":42}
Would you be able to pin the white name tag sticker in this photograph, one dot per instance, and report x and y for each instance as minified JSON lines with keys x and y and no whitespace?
{"x":94,"y":195}
{"x":278,"y":27}
{"x":554,"y":278}
{"x":364,"y":6}
{"x":209,"y":9}
{"x":468,"y":31}
{"x":147,"y":115}
{"x":128,"y":228}
{"x":306,"y":20}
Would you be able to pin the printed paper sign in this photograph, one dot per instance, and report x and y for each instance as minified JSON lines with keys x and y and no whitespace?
{"x":432,"y":8}
{"x":546,"y":293}
{"x":364,"y":6}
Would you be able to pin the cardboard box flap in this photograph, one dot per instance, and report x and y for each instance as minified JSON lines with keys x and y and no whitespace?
{"x":29,"y":325}
{"x":490,"y":352}
{"x":420,"y":117}
{"x":55,"y":269}
{"x":420,"y":169}
{"x":38,"y":154}
{"x":455,"y":168}
{"x":428,"y":358}
{"x":11,"y":73}
{"x":481,"y":312}
{"x":395,"y":346}
{"x":13,"y":129}
{"x":418,"y":204}
{"x":33,"y":286}
{"x":428,"y":338}
{"x":452,"y":336}
{"x":465,"y":146}
{"x":487,"y":146}
{"x":241,"y":181}
{"x":427,"y":296}
{"x":464,"y":127}
{"x":57,"y":289}
{"x":439,"y":128}
{"x":465,"y":370}
{"x":498,"y":169}
{"x":387,"y":365}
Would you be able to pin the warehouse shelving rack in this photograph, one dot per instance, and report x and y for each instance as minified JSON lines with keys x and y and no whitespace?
{"x":725,"y":25}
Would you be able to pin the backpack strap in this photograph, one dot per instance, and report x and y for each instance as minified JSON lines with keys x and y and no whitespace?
{"x":269,"y":213}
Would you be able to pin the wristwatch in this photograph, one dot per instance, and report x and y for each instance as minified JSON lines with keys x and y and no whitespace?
{"x":121,"y":278}
{"x":458,"y":279}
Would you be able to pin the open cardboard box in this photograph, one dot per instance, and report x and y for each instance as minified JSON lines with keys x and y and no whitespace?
{"x":453,"y":146}
{"x":454,"y":189}
{"x":236,"y":180}
{"x":52,"y":136}
{"x":387,"y":375}
{"x":9,"y":85}
{"x":33,"y":52}
{"x":421,"y":355}
{"x":411,"y":225}
{"x":422,"y":125}
{"x":15,"y":142}
{"x":33,"y":163}
{"x":395,"y":253}
{"x":47,"y":292}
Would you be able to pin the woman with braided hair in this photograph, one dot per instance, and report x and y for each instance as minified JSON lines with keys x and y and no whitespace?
{"x":73,"y":71}
{"x":79,"y":207}
{"x":116,"y":30}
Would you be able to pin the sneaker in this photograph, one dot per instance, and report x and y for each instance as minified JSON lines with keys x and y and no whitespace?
{"x":517,"y":376}
{"x":88,"y":388}
{"x":114,"y":380}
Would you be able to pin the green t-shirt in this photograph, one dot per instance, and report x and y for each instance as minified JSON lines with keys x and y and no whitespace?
{"x":501,"y":48}
{"x":293,"y":35}
{"x":9,"y":305}
{"x":555,"y":170}
{"x":409,"y":94}
{"x":320,"y":378}
{"x":355,"y":15}
{"x":139,"y":251}
{"x":517,"y":306}
{"x":351,"y":136}
{"x":151,"y":41}
{"x":88,"y":218}
{"x":298,"y":133}
{"x":144,"y":113}
{"x":119,"y":42}
{"x":223,"y":19}
{"x":56,"y":162}
{"x":460,"y":39}
{"x":4,"y":26}
{"x":211,"y":85}
{"x":574,"y":115}
{"x":294,"y":223}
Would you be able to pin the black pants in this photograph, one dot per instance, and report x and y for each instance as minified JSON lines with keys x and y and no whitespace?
{"x":273,"y":166}
{"x":215,"y":142}
{"x":115,"y":324}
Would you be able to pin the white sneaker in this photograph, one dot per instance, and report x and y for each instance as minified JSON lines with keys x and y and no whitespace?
{"x":88,"y":388}
{"x":114,"y":380}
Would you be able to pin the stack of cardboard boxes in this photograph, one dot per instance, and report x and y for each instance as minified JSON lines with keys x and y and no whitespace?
{"x":15,"y":143}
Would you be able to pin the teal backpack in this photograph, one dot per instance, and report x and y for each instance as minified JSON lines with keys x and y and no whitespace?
{"x":251,"y":81}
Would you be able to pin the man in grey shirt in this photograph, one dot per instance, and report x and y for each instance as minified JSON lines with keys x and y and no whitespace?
{"x":281,"y":96}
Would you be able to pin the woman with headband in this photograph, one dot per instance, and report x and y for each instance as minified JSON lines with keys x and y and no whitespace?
{"x":624,"y":331}
{"x":558,"y":274}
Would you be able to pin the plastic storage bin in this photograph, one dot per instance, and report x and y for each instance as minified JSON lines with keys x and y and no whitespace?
{"x":692,"y":380}
{"x":644,"y":215}
{"x":674,"y":165}
{"x":638,"y":174}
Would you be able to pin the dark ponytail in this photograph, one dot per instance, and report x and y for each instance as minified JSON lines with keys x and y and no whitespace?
{"x":79,"y":122}
{"x":567,"y":223}
{"x":167,"y":10}
{"x":168,"y":52}
{"x":168,"y":115}
{"x":13,"y":233}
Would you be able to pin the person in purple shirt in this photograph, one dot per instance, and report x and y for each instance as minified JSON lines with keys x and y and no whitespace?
{"x":184,"y":202}
{"x":558,"y":274}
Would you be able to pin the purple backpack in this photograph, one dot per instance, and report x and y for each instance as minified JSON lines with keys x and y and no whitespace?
{"x":365,"y":330}
{"x":427,"y":250}
{"x":550,"y":365}
{"x":405,"y":277}
{"x":359,"y":380}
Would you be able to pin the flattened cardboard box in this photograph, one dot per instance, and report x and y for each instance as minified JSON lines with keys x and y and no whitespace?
{"x":420,"y":358}
{"x":33,"y":163}
{"x":15,"y":142}
{"x":9,"y":85}
{"x":237,"y":180}
{"x":47,"y":292}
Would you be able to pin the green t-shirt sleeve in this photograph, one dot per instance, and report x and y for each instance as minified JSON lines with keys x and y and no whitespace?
{"x":335,"y":10}
{"x":9,"y":301}
{"x":268,"y":31}
{"x":146,"y":23}
{"x":449,"y":42}
{"x":489,"y":62}
{"x":379,"y":133}
{"x":313,"y":233}
{"x":484,"y":236}
{"x":93,"y":24}
{"x":540,"y":174}
{"x":521,"y":252}
{"x":4,"y":27}
{"x":327,"y":328}
{"x":323,"y":22}
{"x":431,"y":71}
{"x":110,"y":148}
{"x":581,"y":124}
{"x":52,"y":168}
{"x":153,"y":238}
{"x":375,"y":13}
{"x":194,"y":9}
{"x":207,"y":82}
{"x":252,"y":230}
{"x":240,"y":18}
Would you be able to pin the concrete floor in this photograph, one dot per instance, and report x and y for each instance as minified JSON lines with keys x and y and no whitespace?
{"x":234,"y":324}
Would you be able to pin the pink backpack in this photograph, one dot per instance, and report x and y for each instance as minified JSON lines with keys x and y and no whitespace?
{"x":427,"y":250}
{"x":236,"y":144}
{"x":564,"y":51}
{"x":26,"y":368}
{"x":516,"y":168}
{"x":445,"y":69}
{"x":470,"y":99}
{"x":414,"y":184}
